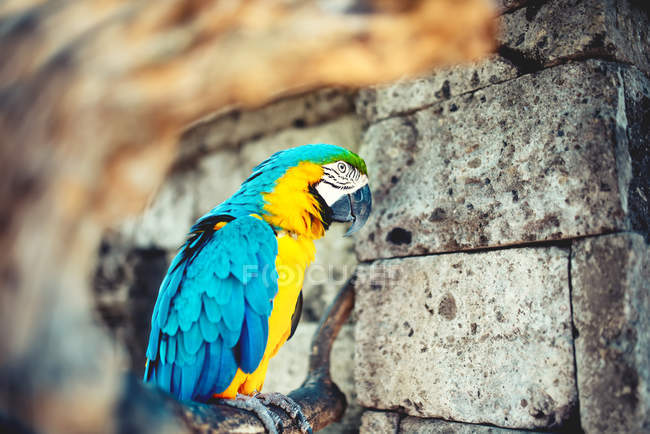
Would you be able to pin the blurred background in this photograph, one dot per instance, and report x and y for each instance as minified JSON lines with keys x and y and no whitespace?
{"x":122,"y":121}
{"x":507,"y":146}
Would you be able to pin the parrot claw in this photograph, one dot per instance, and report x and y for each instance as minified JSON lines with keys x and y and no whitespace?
{"x":289,"y":406}
{"x":259,"y":405}
{"x":269,"y":419}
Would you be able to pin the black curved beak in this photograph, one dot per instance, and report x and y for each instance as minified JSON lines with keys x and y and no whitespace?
{"x":353,"y":208}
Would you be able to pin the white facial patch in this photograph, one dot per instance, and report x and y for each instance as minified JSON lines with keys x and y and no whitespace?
{"x":339,"y":178}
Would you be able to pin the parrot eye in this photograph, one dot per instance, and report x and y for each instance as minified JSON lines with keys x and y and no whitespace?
{"x":342,"y":167}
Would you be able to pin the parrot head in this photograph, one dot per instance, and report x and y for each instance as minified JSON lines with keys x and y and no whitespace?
{"x":344,"y":189}
{"x":302,"y":190}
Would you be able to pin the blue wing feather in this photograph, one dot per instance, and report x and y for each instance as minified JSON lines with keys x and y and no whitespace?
{"x":221,"y":270}
{"x":233,"y":313}
{"x":193,"y":339}
{"x":209,"y":330}
{"x":257,"y":296}
{"x":168,"y":290}
{"x":163,"y":349}
{"x":223,"y":291}
{"x":191,"y":373}
{"x":230,"y":337}
{"x":172,"y":324}
{"x":227,"y":369}
{"x":171,"y":349}
{"x":210,"y":370}
{"x":212,"y":309}
{"x":184,"y":320}
{"x":175,"y":388}
{"x":152,"y":347}
{"x":164,"y":375}
{"x":253,"y":340}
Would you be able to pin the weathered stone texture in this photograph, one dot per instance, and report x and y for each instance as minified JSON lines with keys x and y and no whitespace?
{"x":345,"y":130}
{"x":126,"y":283}
{"x":410,"y":425}
{"x":376,"y":422}
{"x":335,"y":262}
{"x":380,"y":102}
{"x":548,"y":33}
{"x":231,"y":128}
{"x":610,"y":277}
{"x":635,"y":157}
{"x":479,"y":338}
{"x":527,"y":160}
{"x":167,"y":219}
{"x":508,"y":5}
{"x":537,"y":35}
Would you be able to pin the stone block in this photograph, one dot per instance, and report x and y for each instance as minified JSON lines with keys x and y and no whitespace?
{"x":125,"y":284}
{"x":167,"y":219}
{"x":376,"y":422}
{"x":610,"y":278}
{"x":635,"y":160}
{"x":418,"y":425}
{"x":344,"y":131}
{"x":538,"y":34}
{"x":404,"y":96}
{"x":219,"y":175}
{"x":335,"y":262}
{"x":230,"y":128}
{"x":541,"y":157}
{"x":479,"y":338}
{"x":550,"y":32}
{"x":509,"y":5}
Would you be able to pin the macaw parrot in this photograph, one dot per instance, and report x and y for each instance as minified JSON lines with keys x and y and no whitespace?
{"x":232,"y":295}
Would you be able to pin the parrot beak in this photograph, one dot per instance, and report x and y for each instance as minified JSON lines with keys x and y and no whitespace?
{"x":354,"y":207}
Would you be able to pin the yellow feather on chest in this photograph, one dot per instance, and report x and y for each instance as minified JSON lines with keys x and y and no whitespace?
{"x":292,"y":207}
{"x":294,"y":255}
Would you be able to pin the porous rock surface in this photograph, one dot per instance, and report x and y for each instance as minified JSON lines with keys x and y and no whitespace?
{"x":479,"y":338}
{"x":412,"y":424}
{"x":547,"y":33}
{"x":379,"y":422}
{"x":542,"y":157}
{"x":610,"y":276}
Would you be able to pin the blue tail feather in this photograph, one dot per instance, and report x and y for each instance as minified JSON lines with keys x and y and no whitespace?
{"x":210,"y":371}
{"x":227,"y":370}
{"x":164,"y":375}
{"x":253,"y":341}
{"x":191,"y":373}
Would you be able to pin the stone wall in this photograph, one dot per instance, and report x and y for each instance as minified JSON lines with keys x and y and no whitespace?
{"x":503,"y":279}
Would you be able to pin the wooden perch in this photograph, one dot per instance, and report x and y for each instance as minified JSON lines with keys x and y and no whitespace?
{"x":319,"y":397}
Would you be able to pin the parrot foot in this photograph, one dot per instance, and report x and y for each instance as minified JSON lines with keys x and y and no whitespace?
{"x":290,"y":406}
{"x":259,"y":405}
{"x":269,"y":419}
